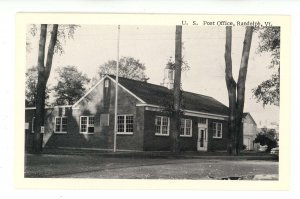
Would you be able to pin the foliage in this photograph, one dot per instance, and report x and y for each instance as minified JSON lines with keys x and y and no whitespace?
{"x":70,"y":86}
{"x":184,"y":67}
{"x":129,"y":67}
{"x":268,"y":92}
{"x":64,"y":32}
{"x":31,"y":89}
{"x":267,"y":137}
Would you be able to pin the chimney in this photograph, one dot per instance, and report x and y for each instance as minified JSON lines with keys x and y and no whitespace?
{"x":169,"y":74}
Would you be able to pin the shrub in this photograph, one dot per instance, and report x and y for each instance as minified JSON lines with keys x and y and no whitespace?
{"x":266,"y":137}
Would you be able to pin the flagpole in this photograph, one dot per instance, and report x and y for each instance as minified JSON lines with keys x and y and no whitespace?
{"x":116,"y":95}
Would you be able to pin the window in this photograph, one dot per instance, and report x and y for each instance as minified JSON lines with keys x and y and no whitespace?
{"x":186,"y":128}
{"x":125,"y":124}
{"x":162,"y":125}
{"x":87,"y":124}
{"x":217,"y":130}
{"x":61,"y":124}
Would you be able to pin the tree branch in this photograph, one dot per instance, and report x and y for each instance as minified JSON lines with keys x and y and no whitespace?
{"x":50,"y":54}
{"x":42,"y":43}
{"x":243,"y":68}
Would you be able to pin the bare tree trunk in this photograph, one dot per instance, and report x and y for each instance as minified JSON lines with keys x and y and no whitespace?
{"x":236,"y":91}
{"x":241,"y":85}
{"x":231,"y":88}
{"x":177,"y":92}
{"x":43,"y":75}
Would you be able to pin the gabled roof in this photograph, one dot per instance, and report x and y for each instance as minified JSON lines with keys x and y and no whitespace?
{"x":161,"y":96}
{"x":247,"y":113}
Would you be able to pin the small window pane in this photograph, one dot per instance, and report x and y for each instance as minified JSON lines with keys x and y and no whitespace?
{"x":83,"y":120}
{"x":83,"y":126}
{"x":91,"y":121}
{"x":120,"y":122}
{"x":57,"y":124}
{"x":164,"y":130}
{"x":188,"y":131}
{"x":64,"y":124}
{"x":219,"y":133}
{"x":91,"y":129}
{"x":165,"y":121}
{"x":157,"y":125}
{"x":129,"y":124}
{"x":182,"y":126}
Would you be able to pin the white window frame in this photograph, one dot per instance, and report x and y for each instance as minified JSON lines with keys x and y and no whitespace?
{"x":160,"y":132}
{"x":60,"y":131}
{"x":215,"y":131}
{"x":185,"y":127}
{"x":87,"y":124}
{"x":124,"y":132}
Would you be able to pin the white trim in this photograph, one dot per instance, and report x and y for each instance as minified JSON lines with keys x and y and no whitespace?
{"x":60,"y":132}
{"x":124,"y":132}
{"x":205,"y":115}
{"x":91,"y":89}
{"x":150,"y":105}
{"x":62,"y":106}
{"x":107,"y":76}
{"x":187,"y":112}
{"x":142,"y":101}
{"x":30,"y":108}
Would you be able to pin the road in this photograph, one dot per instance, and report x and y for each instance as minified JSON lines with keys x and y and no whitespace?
{"x":85,"y":166}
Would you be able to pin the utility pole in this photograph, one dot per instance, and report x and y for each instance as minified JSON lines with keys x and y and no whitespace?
{"x":116,"y":95}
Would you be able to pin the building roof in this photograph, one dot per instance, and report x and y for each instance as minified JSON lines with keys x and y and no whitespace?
{"x":161,"y":96}
{"x":247,"y":113}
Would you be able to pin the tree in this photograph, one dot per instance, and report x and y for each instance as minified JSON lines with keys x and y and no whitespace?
{"x":268,"y":92}
{"x":30,"y":87}
{"x":236,"y":91}
{"x":44,"y":68}
{"x":70,"y":86}
{"x":267,"y":137}
{"x":175,"y":120}
{"x":129,"y":67}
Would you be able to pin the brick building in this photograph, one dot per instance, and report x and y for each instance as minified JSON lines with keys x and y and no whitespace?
{"x":143,"y":119}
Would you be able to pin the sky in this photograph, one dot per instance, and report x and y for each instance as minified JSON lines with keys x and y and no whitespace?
{"x":203,"y":50}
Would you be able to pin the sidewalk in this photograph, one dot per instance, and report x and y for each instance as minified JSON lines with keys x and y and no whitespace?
{"x":244,"y":155}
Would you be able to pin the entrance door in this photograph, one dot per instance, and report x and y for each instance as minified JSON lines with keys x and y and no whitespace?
{"x":202,"y":139}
